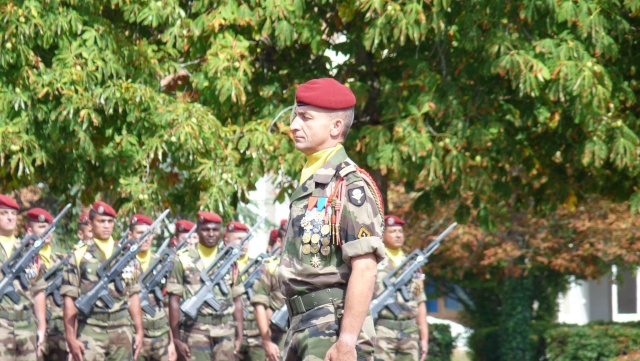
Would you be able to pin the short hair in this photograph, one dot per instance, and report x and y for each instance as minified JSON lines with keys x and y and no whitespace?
{"x":92,"y":214}
{"x":347,"y":116}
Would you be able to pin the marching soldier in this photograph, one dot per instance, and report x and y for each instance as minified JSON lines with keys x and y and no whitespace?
{"x":212,"y":336}
{"x":55,"y":345}
{"x":267,"y":298}
{"x":21,"y":336}
{"x":397,"y":337}
{"x":333,"y":239}
{"x":106,"y":333}
{"x":85,"y":235}
{"x":251,"y":348}
{"x":158,"y":343}
{"x":182,"y":228}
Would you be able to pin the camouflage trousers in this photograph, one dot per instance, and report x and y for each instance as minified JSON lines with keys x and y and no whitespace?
{"x":18,"y":340}
{"x":106,"y":343}
{"x":210,"y":342}
{"x":397,"y":340}
{"x":155,"y":348}
{"x":55,"y":346}
{"x":251,"y":349}
{"x":312,"y":334}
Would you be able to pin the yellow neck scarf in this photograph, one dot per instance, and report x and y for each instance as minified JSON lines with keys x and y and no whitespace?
{"x":316,"y":160}
{"x":105,"y":246}
{"x":144,"y":257}
{"x":207,"y":254}
{"x":243,"y":262}
{"x":7,"y":244}
{"x":45,"y":254}
{"x":395,"y":255}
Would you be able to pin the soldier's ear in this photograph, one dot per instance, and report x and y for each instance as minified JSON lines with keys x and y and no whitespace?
{"x":337,"y":125}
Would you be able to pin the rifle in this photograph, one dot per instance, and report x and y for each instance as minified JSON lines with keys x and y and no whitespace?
{"x":151,"y":280}
{"x":402,"y":275}
{"x":213,"y":276}
{"x":254,"y":269}
{"x":14,"y":267}
{"x":53,"y":278}
{"x":111,"y":270}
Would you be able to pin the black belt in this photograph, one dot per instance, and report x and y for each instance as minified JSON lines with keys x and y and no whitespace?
{"x":298,"y":305}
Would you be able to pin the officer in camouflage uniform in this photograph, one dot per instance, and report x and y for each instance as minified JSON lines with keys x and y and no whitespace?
{"x":55,"y":345}
{"x":158,"y":343}
{"x":212,"y":336}
{"x":267,"y":298}
{"x":106,"y":333}
{"x":398,"y":336}
{"x":333,"y":239}
{"x":20,"y":338}
{"x":251,"y":348}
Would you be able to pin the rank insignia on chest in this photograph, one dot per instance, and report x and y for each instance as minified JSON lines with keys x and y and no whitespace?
{"x":357,"y":196}
{"x":316,"y":230}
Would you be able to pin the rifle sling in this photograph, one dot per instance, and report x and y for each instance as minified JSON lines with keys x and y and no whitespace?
{"x":298,"y":305}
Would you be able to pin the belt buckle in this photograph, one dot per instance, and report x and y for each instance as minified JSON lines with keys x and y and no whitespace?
{"x":296,"y":306}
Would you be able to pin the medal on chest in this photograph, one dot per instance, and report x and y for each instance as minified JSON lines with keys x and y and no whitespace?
{"x":31,"y":271}
{"x":316,"y":236}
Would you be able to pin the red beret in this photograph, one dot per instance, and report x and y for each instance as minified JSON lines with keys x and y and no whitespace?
{"x":84,"y":218}
{"x":104,"y":209}
{"x":273,"y":235}
{"x":391,"y":221}
{"x":183,"y":226}
{"x":283,"y":223}
{"x":326,"y":93}
{"x":237,"y":227}
{"x":208,"y":217}
{"x":8,"y":202}
{"x":39,"y":215}
{"x":140,"y":219}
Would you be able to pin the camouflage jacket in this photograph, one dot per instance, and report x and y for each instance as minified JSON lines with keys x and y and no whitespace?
{"x":266,"y":290}
{"x":80,"y":275}
{"x":310,"y":259}
{"x":35,"y":273}
{"x":184,"y":281}
{"x":416,"y":289}
{"x":56,"y":311}
{"x":159,"y":323}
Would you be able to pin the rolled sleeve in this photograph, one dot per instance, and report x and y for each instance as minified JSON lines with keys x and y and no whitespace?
{"x":70,"y":280}
{"x":175,"y":282}
{"x":363,"y":246}
{"x":260,"y":299}
{"x":237,"y":290}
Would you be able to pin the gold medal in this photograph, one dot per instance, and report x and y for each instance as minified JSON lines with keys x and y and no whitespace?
{"x":325,"y":229}
{"x":315,"y":248}
{"x":306,"y":238}
{"x":315,"y":238}
{"x":325,"y":250}
{"x":326,"y":241}
{"x":306,"y":249}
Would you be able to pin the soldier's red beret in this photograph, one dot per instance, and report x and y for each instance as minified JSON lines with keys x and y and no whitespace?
{"x":391,"y":221}
{"x":8,"y":202}
{"x":283,"y":223}
{"x":104,"y":209}
{"x":83,"y":219}
{"x":326,"y":93}
{"x":208,"y":217}
{"x":183,"y":226}
{"x":140,"y":219}
{"x":39,"y":215}
{"x":273,"y":235}
{"x":234,"y":226}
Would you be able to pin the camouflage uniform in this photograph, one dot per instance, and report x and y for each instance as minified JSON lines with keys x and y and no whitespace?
{"x":106,"y":333}
{"x":251,"y":348}
{"x":55,"y":347}
{"x":212,"y":335}
{"x":398,"y":338}
{"x":17,"y":322}
{"x":267,"y":292}
{"x":307,"y":268}
{"x":155,"y":345}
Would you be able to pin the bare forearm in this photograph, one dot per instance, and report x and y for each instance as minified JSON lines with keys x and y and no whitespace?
{"x":40,"y":309}
{"x":174,"y":316}
{"x":136,"y":313}
{"x":422,"y":322}
{"x":238,"y":316}
{"x":69,"y":313}
{"x":359,"y":292}
{"x":263,"y":321}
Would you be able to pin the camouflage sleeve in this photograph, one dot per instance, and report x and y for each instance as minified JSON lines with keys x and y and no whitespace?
{"x":175,"y":280}
{"x":361,"y":222}
{"x":237,"y":290}
{"x":135,"y":285}
{"x":40,"y":283}
{"x":422,"y":297}
{"x":70,"y":279}
{"x":262,"y":286}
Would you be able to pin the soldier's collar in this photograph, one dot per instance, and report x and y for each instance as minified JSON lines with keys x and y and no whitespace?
{"x":329,"y":169}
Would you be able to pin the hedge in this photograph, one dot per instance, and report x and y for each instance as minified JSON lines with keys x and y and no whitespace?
{"x":596,"y":341}
{"x":441,"y":342}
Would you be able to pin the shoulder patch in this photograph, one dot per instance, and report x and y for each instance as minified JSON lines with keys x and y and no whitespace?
{"x":357,"y":196}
